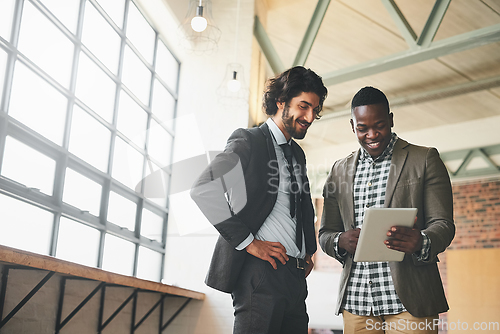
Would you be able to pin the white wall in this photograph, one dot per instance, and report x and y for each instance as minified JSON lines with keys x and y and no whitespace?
{"x":203,"y":124}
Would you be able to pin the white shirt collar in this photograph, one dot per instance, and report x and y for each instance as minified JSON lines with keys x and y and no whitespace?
{"x":275,"y":130}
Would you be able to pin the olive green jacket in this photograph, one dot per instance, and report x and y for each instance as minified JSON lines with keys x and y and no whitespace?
{"x":417,"y":179}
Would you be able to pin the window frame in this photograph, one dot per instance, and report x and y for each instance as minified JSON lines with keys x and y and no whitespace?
{"x":63,"y":158}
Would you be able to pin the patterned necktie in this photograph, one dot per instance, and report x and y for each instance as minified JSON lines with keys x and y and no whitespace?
{"x":294,"y":194}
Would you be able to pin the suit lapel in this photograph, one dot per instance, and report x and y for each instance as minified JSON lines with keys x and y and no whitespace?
{"x":299,"y":156}
{"x":273,"y":161}
{"x":398,"y":160}
{"x":352,"y":163}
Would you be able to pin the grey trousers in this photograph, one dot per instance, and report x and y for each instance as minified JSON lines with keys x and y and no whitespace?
{"x":269,"y":301}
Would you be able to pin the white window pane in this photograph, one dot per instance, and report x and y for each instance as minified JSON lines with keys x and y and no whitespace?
{"x":160,"y":143}
{"x":6,"y":15}
{"x":156,"y":184}
{"x":89,"y":139}
{"x":45,"y":45}
{"x":121,"y":211}
{"x":118,"y":255}
{"x":95,"y":88}
{"x":115,"y":9}
{"x":28,"y":166}
{"x":140,"y":33}
{"x":66,"y":11}
{"x":3,"y":64}
{"x":132,"y":120}
{"x":136,"y":76}
{"x":82,"y":192}
{"x":77,"y":242}
{"x":101,"y":39}
{"x":151,"y":225}
{"x":25,"y":226}
{"x":163,"y":104}
{"x":45,"y":109}
{"x":127,"y":164}
{"x":166,"y":66}
{"x":149,"y":264}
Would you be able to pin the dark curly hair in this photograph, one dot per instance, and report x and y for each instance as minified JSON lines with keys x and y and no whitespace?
{"x":290,"y":84}
{"x":369,"y":95}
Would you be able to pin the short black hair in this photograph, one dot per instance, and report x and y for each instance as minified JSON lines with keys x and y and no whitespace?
{"x":369,"y":95}
{"x":291,"y":83}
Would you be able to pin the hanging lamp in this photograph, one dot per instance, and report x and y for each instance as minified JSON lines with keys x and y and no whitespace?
{"x":198,"y":31}
{"x":233,"y":90}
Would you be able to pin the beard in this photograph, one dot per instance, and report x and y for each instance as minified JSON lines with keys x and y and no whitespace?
{"x":289,"y":124}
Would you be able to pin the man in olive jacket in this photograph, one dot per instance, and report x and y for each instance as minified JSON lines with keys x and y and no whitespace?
{"x":387,"y":172}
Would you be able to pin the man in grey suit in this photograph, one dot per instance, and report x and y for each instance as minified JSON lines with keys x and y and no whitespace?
{"x":256,"y":194}
{"x":388,"y":297}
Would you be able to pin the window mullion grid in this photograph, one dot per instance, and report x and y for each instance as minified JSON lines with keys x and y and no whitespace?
{"x":62,"y":161}
{"x":51,"y":17}
{"x":138,"y":205}
{"x":172,"y":132}
{"x":61,"y":155}
{"x":153,"y":75}
{"x":98,"y":7}
{"x":106,"y":186}
{"x":3,"y":136}
{"x":9,"y":74}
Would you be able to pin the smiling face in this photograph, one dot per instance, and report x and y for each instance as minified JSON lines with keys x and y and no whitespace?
{"x":372,"y":125}
{"x":294,"y":117}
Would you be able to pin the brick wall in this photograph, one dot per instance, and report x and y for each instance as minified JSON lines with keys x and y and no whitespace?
{"x":477,"y":214}
{"x":476,"y":208}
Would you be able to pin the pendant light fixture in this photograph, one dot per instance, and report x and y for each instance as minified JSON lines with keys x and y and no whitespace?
{"x":198,"y":31}
{"x":233,"y":90}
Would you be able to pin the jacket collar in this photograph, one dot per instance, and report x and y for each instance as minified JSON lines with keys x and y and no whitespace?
{"x":399,"y":156}
{"x":398,"y":160}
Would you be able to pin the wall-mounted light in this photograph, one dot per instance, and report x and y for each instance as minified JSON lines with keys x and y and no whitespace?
{"x":198,"y":31}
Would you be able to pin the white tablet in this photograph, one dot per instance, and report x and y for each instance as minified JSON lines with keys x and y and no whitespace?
{"x":376,"y":224}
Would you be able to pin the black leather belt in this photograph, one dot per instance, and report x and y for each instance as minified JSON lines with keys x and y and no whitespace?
{"x":296,"y":262}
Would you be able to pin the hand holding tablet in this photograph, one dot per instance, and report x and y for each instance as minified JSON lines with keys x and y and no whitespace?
{"x":372,"y":246}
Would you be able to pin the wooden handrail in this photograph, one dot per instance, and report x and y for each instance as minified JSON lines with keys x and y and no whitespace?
{"x":20,"y":257}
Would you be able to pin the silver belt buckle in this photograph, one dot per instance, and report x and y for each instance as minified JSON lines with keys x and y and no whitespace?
{"x":299,"y":265}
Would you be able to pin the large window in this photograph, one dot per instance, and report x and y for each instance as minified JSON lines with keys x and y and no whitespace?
{"x":87,"y":102}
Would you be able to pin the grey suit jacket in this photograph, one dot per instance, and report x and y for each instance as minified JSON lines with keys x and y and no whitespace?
{"x":418,"y":179}
{"x":241,"y":203}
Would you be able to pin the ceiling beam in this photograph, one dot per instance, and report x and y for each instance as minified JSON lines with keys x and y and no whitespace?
{"x":401,"y":22}
{"x":433,"y":22}
{"x":267,"y":47}
{"x":311,"y":32}
{"x":467,"y":155}
{"x":427,"y":96}
{"x":466,"y":41}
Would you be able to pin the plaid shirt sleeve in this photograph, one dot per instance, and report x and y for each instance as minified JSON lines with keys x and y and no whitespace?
{"x":423,"y":254}
{"x":339,"y":254}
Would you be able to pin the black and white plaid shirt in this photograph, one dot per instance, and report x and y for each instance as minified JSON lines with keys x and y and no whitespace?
{"x":370,"y":289}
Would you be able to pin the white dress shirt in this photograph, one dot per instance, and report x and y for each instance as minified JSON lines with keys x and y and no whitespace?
{"x":279,"y":226}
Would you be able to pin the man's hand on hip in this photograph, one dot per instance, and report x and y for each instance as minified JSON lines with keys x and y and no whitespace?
{"x":309,"y":264}
{"x":268,"y":251}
